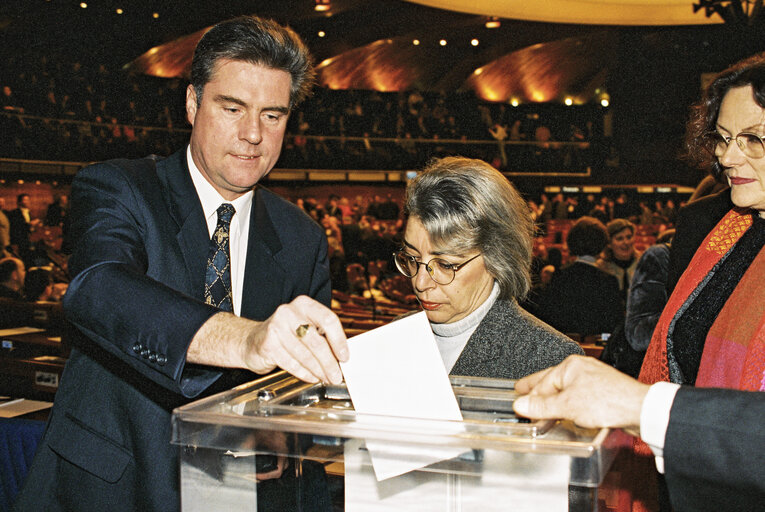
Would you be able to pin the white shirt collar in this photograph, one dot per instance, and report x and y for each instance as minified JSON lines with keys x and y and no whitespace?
{"x":211,"y":199}
{"x":590,"y":260}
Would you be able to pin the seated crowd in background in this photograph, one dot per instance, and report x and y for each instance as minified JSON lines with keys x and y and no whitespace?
{"x":34,"y":251}
{"x":55,"y":108}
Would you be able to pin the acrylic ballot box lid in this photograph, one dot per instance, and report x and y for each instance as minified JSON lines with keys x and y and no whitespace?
{"x":324,"y":416}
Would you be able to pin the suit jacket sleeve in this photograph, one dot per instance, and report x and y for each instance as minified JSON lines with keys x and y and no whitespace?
{"x":125,"y":294}
{"x":714,"y":450}
{"x":647,"y":296}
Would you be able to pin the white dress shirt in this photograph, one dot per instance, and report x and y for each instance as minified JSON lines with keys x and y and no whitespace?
{"x":239,"y":230}
{"x":654,"y":418}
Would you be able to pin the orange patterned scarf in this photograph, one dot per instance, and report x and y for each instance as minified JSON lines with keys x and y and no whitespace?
{"x":734,"y":349}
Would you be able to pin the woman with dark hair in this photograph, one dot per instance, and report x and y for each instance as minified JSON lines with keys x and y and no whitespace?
{"x":712,"y":331}
{"x":467,"y":249}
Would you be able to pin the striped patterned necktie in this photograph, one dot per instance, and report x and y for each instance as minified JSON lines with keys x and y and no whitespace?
{"x":218,"y":272}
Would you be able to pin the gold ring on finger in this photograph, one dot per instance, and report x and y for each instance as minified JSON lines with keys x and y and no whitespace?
{"x":302,"y":330}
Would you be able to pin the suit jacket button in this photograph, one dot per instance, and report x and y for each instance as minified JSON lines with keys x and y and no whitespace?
{"x":153,"y":357}
{"x":161,"y":359}
{"x":145,"y":352}
{"x":137,"y":347}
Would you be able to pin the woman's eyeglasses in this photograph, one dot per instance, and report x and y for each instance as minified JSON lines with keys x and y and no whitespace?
{"x":440,"y":271}
{"x":749,"y":143}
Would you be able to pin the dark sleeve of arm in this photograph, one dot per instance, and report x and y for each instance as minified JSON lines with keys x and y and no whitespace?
{"x":647,"y":296}
{"x":321,"y":286}
{"x":614,"y":304}
{"x":684,"y":245}
{"x":714,"y":451}
{"x":113,"y":301}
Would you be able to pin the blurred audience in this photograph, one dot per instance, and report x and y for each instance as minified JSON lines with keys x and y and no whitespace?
{"x":39,"y":285}
{"x":5,"y":231}
{"x":12,"y":274}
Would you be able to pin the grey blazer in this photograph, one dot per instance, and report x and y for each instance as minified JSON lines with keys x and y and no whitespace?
{"x":510,"y":343}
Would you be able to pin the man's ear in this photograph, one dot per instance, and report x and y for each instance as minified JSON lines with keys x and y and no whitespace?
{"x":191,"y":104}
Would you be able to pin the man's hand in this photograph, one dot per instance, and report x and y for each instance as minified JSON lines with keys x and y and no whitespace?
{"x":312,"y":357}
{"x":584,"y":390}
{"x":230,"y":341}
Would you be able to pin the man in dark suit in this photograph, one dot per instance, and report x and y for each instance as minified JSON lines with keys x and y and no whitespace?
{"x":709,"y":443}
{"x":21,"y":225}
{"x":581,"y":298}
{"x":149,"y":338}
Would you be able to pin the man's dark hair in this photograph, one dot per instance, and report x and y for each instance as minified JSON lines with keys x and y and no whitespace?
{"x":35,"y":283}
{"x":750,"y":71}
{"x":7,"y":267}
{"x":587,"y":237}
{"x":20,"y":197}
{"x":257,"y":41}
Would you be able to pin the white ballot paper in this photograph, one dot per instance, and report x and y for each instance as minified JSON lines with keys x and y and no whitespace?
{"x":397,"y":371}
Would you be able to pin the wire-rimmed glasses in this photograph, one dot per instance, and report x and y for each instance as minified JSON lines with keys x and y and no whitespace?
{"x":749,"y":143}
{"x":440,"y":271}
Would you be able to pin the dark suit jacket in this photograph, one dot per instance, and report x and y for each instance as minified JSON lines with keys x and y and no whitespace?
{"x":714,"y":450}
{"x":138,"y":270}
{"x":20,"y":230}
{"x":694,"y":222}
{"x":510,"y":343}
{"x":582,"y":299}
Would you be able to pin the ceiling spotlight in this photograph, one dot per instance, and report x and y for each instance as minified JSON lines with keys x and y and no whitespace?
{"x":155,"y":15}
{"x":119,"y":11}
{"x":83,"y":5}
{"x":322,"y":5}
{"x":321,"y":33}
{"x":416,"y":42}
{"x":442,"y":42}
{"x":514,"y":102}
{"x":568,"y":101}
{"x":492,"y":22}
{"x":604,"y":102}
{"x":474,"y":42}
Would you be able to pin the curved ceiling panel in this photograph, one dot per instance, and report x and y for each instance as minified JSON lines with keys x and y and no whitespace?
{"x":170,"y":60}
{"x":574,"y":67}
{"x":371,"y":45}
{"x":596,"y":12}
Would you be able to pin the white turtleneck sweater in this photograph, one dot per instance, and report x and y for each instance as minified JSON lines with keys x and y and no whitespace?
{"x":451,"y":338}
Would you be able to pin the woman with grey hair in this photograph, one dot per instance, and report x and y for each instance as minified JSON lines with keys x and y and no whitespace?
{"x":472,"y":232}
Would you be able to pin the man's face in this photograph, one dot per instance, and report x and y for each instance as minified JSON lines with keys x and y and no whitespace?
{"x":24,"y":202}
{"x":239,"y":126}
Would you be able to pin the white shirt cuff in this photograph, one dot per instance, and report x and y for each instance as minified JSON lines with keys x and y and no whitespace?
{"x":654,"y":418}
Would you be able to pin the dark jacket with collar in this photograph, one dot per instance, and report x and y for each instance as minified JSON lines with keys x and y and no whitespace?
{"x":510,"y":343}
{"x":582,"y":299}
{"x":694,"y":222}
{"x":140,"y":250}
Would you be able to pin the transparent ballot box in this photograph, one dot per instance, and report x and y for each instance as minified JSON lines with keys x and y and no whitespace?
{"x":279,"y":444}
